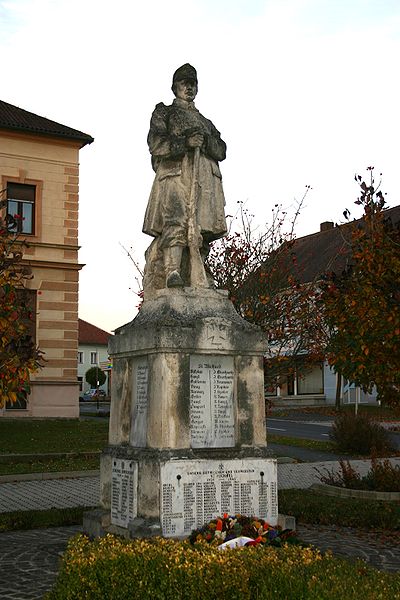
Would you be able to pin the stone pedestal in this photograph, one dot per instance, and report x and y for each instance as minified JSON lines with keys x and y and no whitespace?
{"x":187,"y":427}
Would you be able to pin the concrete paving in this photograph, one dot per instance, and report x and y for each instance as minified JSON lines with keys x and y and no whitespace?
{"x":56,"y":493}
{"x":303,"y":475}
{"x":29,"y":560}
{"x":84,"y":491}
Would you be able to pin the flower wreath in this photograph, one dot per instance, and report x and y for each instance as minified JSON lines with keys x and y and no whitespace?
{"x":226,"y":528}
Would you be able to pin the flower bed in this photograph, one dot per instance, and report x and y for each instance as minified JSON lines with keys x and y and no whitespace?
{"x":250,"y":530}
{"x":114,"y":569}
{"x":383,"y":476}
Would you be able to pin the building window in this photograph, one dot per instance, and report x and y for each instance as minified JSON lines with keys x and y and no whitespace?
{"x":80,"y":381}
{"x":80,"y":358}
{"x":21,"y":207}
{"x":93,"y":358}
{"x":311,"y":382}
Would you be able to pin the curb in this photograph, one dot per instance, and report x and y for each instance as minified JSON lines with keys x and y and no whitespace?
{"x":46,"y":476}
{"x":332,"y":490}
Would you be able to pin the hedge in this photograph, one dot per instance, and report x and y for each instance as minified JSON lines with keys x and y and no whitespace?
{"x":161,"y":569}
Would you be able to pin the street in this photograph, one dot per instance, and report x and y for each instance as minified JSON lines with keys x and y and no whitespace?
{"x":91,"y":407}
{"x":310,"y":431}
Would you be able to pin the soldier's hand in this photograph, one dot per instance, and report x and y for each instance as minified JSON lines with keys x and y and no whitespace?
{"x":195,"y":140}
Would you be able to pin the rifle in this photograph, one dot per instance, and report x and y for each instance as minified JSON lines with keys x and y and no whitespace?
{"x":198,"y":276}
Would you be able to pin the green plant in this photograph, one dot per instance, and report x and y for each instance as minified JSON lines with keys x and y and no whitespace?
{"x":382,"y":477}
{"x":19,"y":356}
{"x":311,"y":507}
{"x":362,"y":304}
{"x":167,"y":569}
{"x":358,"y":434}
{"x":95,"y":376}
{"x":347,"y":477}
{"x":36,"y":519}
{"x":25,"y":436}
{"x":48,"y":464}
{"x":286,"y":440}
{"x":265,"y":281}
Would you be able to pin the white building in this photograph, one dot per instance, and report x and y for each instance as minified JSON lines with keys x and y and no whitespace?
{"x":92,"y":352}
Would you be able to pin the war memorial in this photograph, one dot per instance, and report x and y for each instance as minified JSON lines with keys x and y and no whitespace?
{"x":187,"y":439}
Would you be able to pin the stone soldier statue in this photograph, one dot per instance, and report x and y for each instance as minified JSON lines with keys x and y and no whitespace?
{"x":185,"y":211}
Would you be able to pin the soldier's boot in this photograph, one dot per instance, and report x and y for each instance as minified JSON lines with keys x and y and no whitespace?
{"x":172,"y":263}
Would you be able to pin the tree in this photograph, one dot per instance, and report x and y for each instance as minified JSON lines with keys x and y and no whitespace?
{"x":362,"y":304}
{"x":19,"y":357}
{"x":264,"y":280}
{"x":95,"y":376}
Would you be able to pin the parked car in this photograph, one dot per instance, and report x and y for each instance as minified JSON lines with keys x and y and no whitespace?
{"x":92,"y":395}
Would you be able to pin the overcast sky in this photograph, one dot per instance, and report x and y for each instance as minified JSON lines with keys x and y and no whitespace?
{"x":304,"y":92}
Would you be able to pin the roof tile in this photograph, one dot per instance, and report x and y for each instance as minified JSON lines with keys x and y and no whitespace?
{"x":329,"y":250}
{"x":17,"y":119}
{"x":90,"y":334}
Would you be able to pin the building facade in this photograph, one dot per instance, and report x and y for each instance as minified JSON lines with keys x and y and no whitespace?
{"x":39,"y":176}
{"x":92,"y":352}
{"x":317,"y":253}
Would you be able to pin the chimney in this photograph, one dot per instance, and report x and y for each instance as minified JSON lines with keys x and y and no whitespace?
{"x":326,"y":225}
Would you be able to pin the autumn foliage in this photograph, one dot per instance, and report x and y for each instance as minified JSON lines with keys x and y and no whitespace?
{"x":362,"y":304}
{"x":18,"y":355}
{"x":264,"y":280}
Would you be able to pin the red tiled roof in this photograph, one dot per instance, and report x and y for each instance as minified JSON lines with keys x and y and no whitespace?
{"x":90,"y":334}
{"x":17,"y":119}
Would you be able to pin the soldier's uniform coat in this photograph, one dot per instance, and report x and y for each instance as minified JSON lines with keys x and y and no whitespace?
{"x":167,"y":210}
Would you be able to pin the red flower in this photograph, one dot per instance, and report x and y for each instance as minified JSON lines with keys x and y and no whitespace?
{"x":252,"y":543}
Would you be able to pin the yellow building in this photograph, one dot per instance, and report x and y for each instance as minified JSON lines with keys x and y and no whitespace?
{"x":39,"y":173}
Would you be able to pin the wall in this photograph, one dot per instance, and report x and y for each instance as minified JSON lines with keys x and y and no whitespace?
{"x":52,"y":166}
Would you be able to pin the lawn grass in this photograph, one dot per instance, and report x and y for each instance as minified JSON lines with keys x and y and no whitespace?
{"x":23,"y":436}
{"x":51,"y":465}
{"x":306,"y":505}
{"x":310,"y":507}
{"x":36,"y":519}
{"x":301,"y":443}
{"x":379,"y":413}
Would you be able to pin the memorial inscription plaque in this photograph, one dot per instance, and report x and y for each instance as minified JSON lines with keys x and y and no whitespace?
{"x":139,"y":403}
{"x":212,"y":419}
{"x":123,"y":491}
{"x":194,"y":492}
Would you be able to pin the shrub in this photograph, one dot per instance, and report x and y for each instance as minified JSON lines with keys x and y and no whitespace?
{"x":358,"y":434}
{"x":35,"y":519}
{"x":382,"y":477}
{"x":95,"y":376}
{"x":163,"y":569}
{"x":347,"y":477}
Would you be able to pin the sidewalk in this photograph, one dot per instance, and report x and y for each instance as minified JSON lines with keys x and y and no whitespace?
{"x":84,"y":491}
